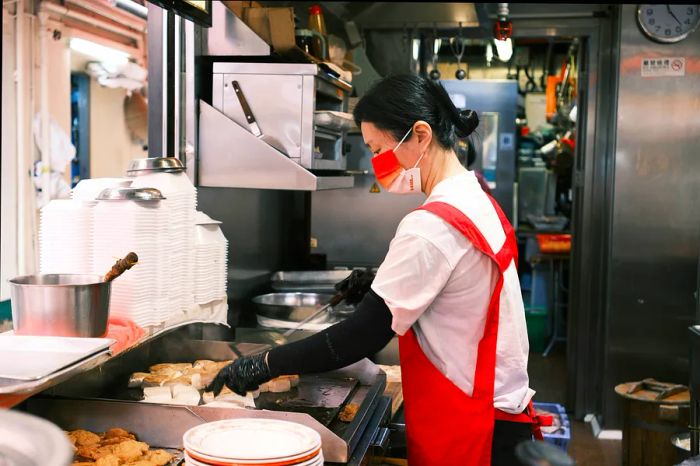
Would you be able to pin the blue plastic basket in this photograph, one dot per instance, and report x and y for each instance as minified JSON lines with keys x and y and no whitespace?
{"x":562,"y":435}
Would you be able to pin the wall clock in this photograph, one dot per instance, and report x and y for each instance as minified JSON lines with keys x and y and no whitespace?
{"x":668,"y":23}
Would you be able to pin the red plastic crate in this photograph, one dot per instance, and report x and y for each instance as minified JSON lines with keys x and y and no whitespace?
{"x":553,"y":243}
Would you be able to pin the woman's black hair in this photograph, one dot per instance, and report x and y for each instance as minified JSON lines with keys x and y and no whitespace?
{"x":395,"y":103}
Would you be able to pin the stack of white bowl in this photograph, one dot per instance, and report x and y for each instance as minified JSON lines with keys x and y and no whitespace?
{"x":261,"y":442}
{"x":211,"y":259}
{"x":65,"y":237}
{"x":179,"y":209}
{"x":123,"y":226}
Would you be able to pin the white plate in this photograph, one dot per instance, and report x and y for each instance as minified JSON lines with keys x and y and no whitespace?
{"x":252,"y":439}
{"x":316,"y":461}
{"x":31,"y":358}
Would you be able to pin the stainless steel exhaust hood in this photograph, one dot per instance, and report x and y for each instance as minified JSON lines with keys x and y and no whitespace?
{"x":264,"y":128}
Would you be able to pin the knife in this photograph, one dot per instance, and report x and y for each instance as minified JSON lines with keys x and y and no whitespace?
{"x":252,"y":124}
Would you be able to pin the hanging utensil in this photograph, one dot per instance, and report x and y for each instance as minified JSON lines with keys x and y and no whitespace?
{"x":252,"y":123}
{"x":458,"y":51}
{"x":435,"y":73}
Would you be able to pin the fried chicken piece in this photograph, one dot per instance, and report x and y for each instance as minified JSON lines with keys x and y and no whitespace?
{"x":115,"y":440}
{"x":118,"y":432}
{"x":141,"y":463}
{"x":159,"y":457}
{"x":88,"y":452}
{"x":83,"y":438}
{"x":109,"y":460}
{"x":130,"y":450}
{"x":82,"y":463}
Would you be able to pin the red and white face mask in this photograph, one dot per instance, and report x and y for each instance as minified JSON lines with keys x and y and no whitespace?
{"x":392,"y":176}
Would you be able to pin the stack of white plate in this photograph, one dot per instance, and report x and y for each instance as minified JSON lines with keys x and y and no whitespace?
{"x":66,"y":237}
{"x":211,"y":259}
{"x":179,"y":209}
{"x":123,"y":226}
{"x":260,"y":442}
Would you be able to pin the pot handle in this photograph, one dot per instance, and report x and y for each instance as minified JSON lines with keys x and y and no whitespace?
{"x":121,"y":266}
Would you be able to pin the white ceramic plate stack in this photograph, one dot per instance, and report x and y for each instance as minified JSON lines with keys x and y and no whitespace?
{"x":140,"y":294}
{"x":179,"y":210}
{"x":66,"y":236}
{"x":211,"y":259}
{"x":259,"y":442}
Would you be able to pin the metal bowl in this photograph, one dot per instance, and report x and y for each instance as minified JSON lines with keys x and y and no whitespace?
{"x":65,"y":305}
{"x":130,"y":194}
{"x":154,"y":164}
{"x":290,"y":306}
{"x":27,"y":440}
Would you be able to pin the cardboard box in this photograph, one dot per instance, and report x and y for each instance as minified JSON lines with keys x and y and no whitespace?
{"x":274,"y":25}
{"x":237,"y":7}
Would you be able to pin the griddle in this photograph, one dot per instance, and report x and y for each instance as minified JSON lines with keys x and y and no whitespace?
{"x":320,"y":397}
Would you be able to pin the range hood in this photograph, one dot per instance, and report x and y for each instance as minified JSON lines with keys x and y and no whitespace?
{"x":232,"y":157}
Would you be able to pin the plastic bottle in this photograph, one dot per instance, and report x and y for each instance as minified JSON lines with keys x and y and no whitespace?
{"x":317,"y":23}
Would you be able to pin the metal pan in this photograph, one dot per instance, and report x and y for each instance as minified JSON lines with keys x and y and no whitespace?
{"x":290,"y":306}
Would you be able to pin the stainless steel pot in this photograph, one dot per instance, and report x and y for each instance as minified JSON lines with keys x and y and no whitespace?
{"x":64,"y":305}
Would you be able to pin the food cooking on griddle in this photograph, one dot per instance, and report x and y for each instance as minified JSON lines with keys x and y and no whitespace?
{"x":182,"y":383}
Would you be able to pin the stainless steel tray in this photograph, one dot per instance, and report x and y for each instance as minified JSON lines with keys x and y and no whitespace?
{"x":312,"y":281}
{"x":35,"y":357}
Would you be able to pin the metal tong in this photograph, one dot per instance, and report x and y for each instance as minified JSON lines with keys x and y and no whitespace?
{"x":337,"y":298}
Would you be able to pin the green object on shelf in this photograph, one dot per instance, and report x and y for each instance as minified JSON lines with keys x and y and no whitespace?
{"x":5,"y":310}
{"x":537,"y":328}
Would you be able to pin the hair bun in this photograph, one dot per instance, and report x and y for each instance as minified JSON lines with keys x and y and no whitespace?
{"x":466,"y":123}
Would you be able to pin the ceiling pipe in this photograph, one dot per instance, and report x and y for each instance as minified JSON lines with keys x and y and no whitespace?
{"x":62,"y":11}
{"x":132,"y":7}
{"x":107,"y":10}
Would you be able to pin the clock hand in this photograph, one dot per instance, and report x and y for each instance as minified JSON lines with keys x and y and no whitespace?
{"x":668,"y":7}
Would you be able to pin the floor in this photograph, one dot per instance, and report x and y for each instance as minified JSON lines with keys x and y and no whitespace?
{"x":548,"y":379}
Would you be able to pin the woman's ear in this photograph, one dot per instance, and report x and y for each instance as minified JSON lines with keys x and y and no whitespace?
{"x":424,"y":133}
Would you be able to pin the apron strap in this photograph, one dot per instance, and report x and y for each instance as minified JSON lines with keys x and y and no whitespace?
{"x":528,"y":416}
{"x":484,"y":376}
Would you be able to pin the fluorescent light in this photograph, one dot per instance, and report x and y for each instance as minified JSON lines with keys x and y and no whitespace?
{"x":504,"y":49}
{"x":110,"y":58}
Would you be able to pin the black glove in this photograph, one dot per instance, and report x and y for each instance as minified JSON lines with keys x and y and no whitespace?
{"x":242,"y":375}
{"x":356,"y":285}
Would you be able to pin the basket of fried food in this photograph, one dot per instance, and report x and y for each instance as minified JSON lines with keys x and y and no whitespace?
{"x":115,"y":447}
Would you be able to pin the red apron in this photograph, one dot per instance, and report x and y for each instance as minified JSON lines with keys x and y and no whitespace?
{"x":444,"y":425}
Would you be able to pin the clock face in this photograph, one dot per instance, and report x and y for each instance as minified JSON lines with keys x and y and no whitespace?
{"x":668,"y":23}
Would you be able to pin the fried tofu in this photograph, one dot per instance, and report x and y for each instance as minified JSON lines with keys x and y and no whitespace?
{"x":349,"y":412}
{"x":169,"y":367}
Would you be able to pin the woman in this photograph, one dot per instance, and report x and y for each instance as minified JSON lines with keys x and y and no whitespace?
{"x":448,"y":286}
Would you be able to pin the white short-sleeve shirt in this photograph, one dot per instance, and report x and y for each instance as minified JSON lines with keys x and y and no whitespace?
{"x":434,"y":280}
